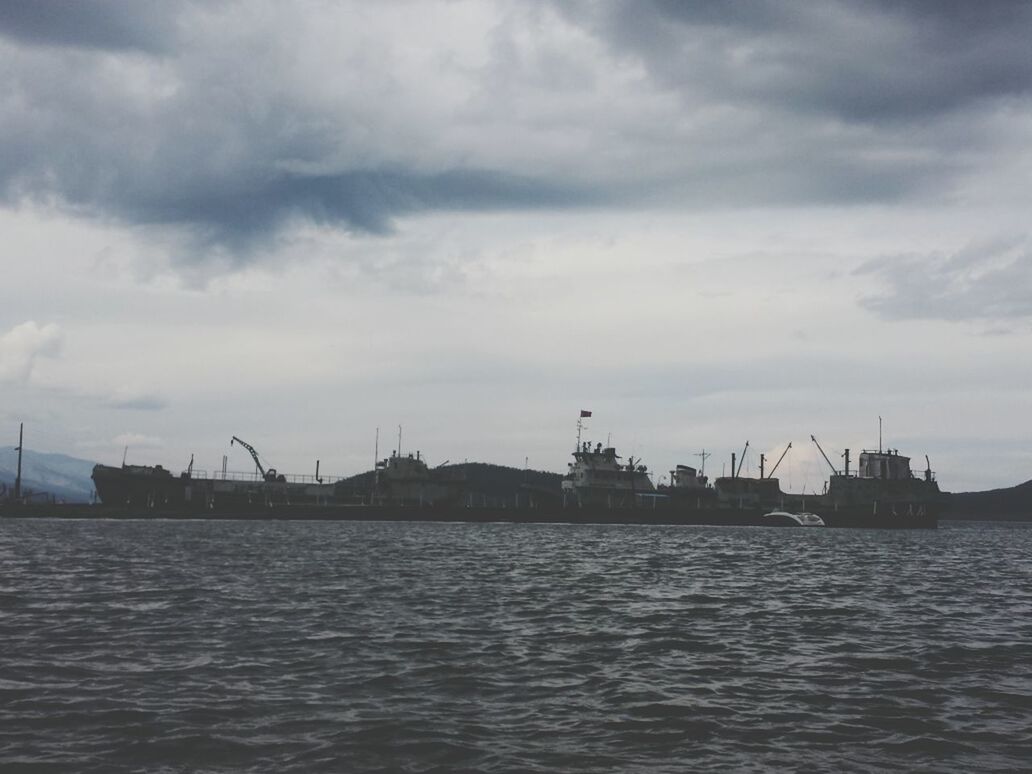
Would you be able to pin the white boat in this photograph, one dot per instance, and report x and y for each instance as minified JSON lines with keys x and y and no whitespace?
{"x":789,"y":519}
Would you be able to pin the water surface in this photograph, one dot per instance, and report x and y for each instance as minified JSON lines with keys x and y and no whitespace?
{"x":297,"y":647}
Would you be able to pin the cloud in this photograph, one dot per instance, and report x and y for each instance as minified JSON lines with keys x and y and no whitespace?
{"x":860,"y":62}
{"x":987,"y":282}
{"x":137,"y":400}
{"x":23,"y":345}
{"x":265,"y":118}
{"x":147,"y":25}
{"x":137,"y":440}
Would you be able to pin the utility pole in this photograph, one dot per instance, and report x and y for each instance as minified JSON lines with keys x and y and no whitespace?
{"x":17,"y":480}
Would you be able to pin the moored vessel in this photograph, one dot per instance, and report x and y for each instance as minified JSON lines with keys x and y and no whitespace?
{"x":599,"y":486}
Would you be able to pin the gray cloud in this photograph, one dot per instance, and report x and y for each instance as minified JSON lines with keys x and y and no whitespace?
{"x":230,"y":135}
{"x":138,"y":402}
{"x":981,"y":282}
{"x":861,"y":62}
{"x":146,"y":25}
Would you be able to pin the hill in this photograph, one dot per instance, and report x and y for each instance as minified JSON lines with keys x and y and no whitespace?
{"x":66,"y":479}
{"x":1010,"y":504}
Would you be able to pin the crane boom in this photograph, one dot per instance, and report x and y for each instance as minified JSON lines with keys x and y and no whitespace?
{"x":824,"y":455}
{"x":771,"y":474}
{"x":254,"y":454}
{"x":742,"y":461}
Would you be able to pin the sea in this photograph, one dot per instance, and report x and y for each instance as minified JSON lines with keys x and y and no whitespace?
{"x":211,"y":646}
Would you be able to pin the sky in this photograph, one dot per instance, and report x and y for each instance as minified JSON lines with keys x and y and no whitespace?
{"x":308,"y":223}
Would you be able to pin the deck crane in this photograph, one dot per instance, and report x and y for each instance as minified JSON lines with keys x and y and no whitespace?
{"x":834,"y":472}
{"x":771,"y":474}
{"x":267,"y":475}
{"x":742,"y":461}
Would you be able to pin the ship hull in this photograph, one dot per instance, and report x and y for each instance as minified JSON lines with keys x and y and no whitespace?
{"x":150,"y":493}
{"x":727,"y":517}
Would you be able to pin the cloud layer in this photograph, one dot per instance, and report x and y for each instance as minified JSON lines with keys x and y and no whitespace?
{"x":23,"y":345}
{"x":226,"y":126}
{"x":980,"y":282}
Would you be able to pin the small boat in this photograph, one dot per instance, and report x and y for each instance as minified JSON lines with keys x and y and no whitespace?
{"x":788,"y":519}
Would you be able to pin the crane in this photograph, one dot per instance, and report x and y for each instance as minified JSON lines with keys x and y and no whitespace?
{"x":268,"y":475}
{"x":771,"y":474}
{"x":742,"y":462}
{"x":835,"y":472}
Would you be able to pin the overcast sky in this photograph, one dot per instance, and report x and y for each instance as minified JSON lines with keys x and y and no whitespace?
{"x":705,"y":222}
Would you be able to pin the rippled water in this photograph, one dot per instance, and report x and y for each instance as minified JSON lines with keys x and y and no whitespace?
{"x":186,"y":646}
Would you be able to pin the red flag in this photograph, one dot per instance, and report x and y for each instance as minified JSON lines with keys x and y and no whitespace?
{"x":585,"y":413}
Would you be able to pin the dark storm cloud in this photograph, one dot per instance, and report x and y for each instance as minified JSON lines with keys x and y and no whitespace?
{"x":858,"y":61}
{"x":365,"y":200}
{"x":982,"y":282}
{"x":146,"y":25}
{"x":113,"y":112}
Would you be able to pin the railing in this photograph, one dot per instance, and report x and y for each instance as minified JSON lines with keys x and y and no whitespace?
{"x":254,"y":476}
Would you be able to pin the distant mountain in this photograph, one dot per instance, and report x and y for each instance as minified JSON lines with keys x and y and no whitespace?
{"x":1010,"y":504}
{"x":66,"y":478}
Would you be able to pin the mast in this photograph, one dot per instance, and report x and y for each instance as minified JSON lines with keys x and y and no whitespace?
{"x":17,"y":480}
{"x":879,"y":434}
{"x":376,"y":468}
{"x":580,"y":426}
{"x":703,"y":455}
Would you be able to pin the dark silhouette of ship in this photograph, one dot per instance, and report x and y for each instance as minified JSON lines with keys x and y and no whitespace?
{"x":599,"y":487}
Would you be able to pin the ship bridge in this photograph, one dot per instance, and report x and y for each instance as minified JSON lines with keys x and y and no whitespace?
{"x":889,"y":465}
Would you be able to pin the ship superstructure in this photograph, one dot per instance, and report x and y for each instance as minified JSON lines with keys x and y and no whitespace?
{"x":597,"y":477}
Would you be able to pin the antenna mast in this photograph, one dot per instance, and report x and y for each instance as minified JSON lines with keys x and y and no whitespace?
{"x":704,"y":455}
{"x":376,"y":468}
{"x":580,"y":426}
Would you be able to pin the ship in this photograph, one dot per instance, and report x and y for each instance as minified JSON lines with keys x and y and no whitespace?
{"x":598,"y":487}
